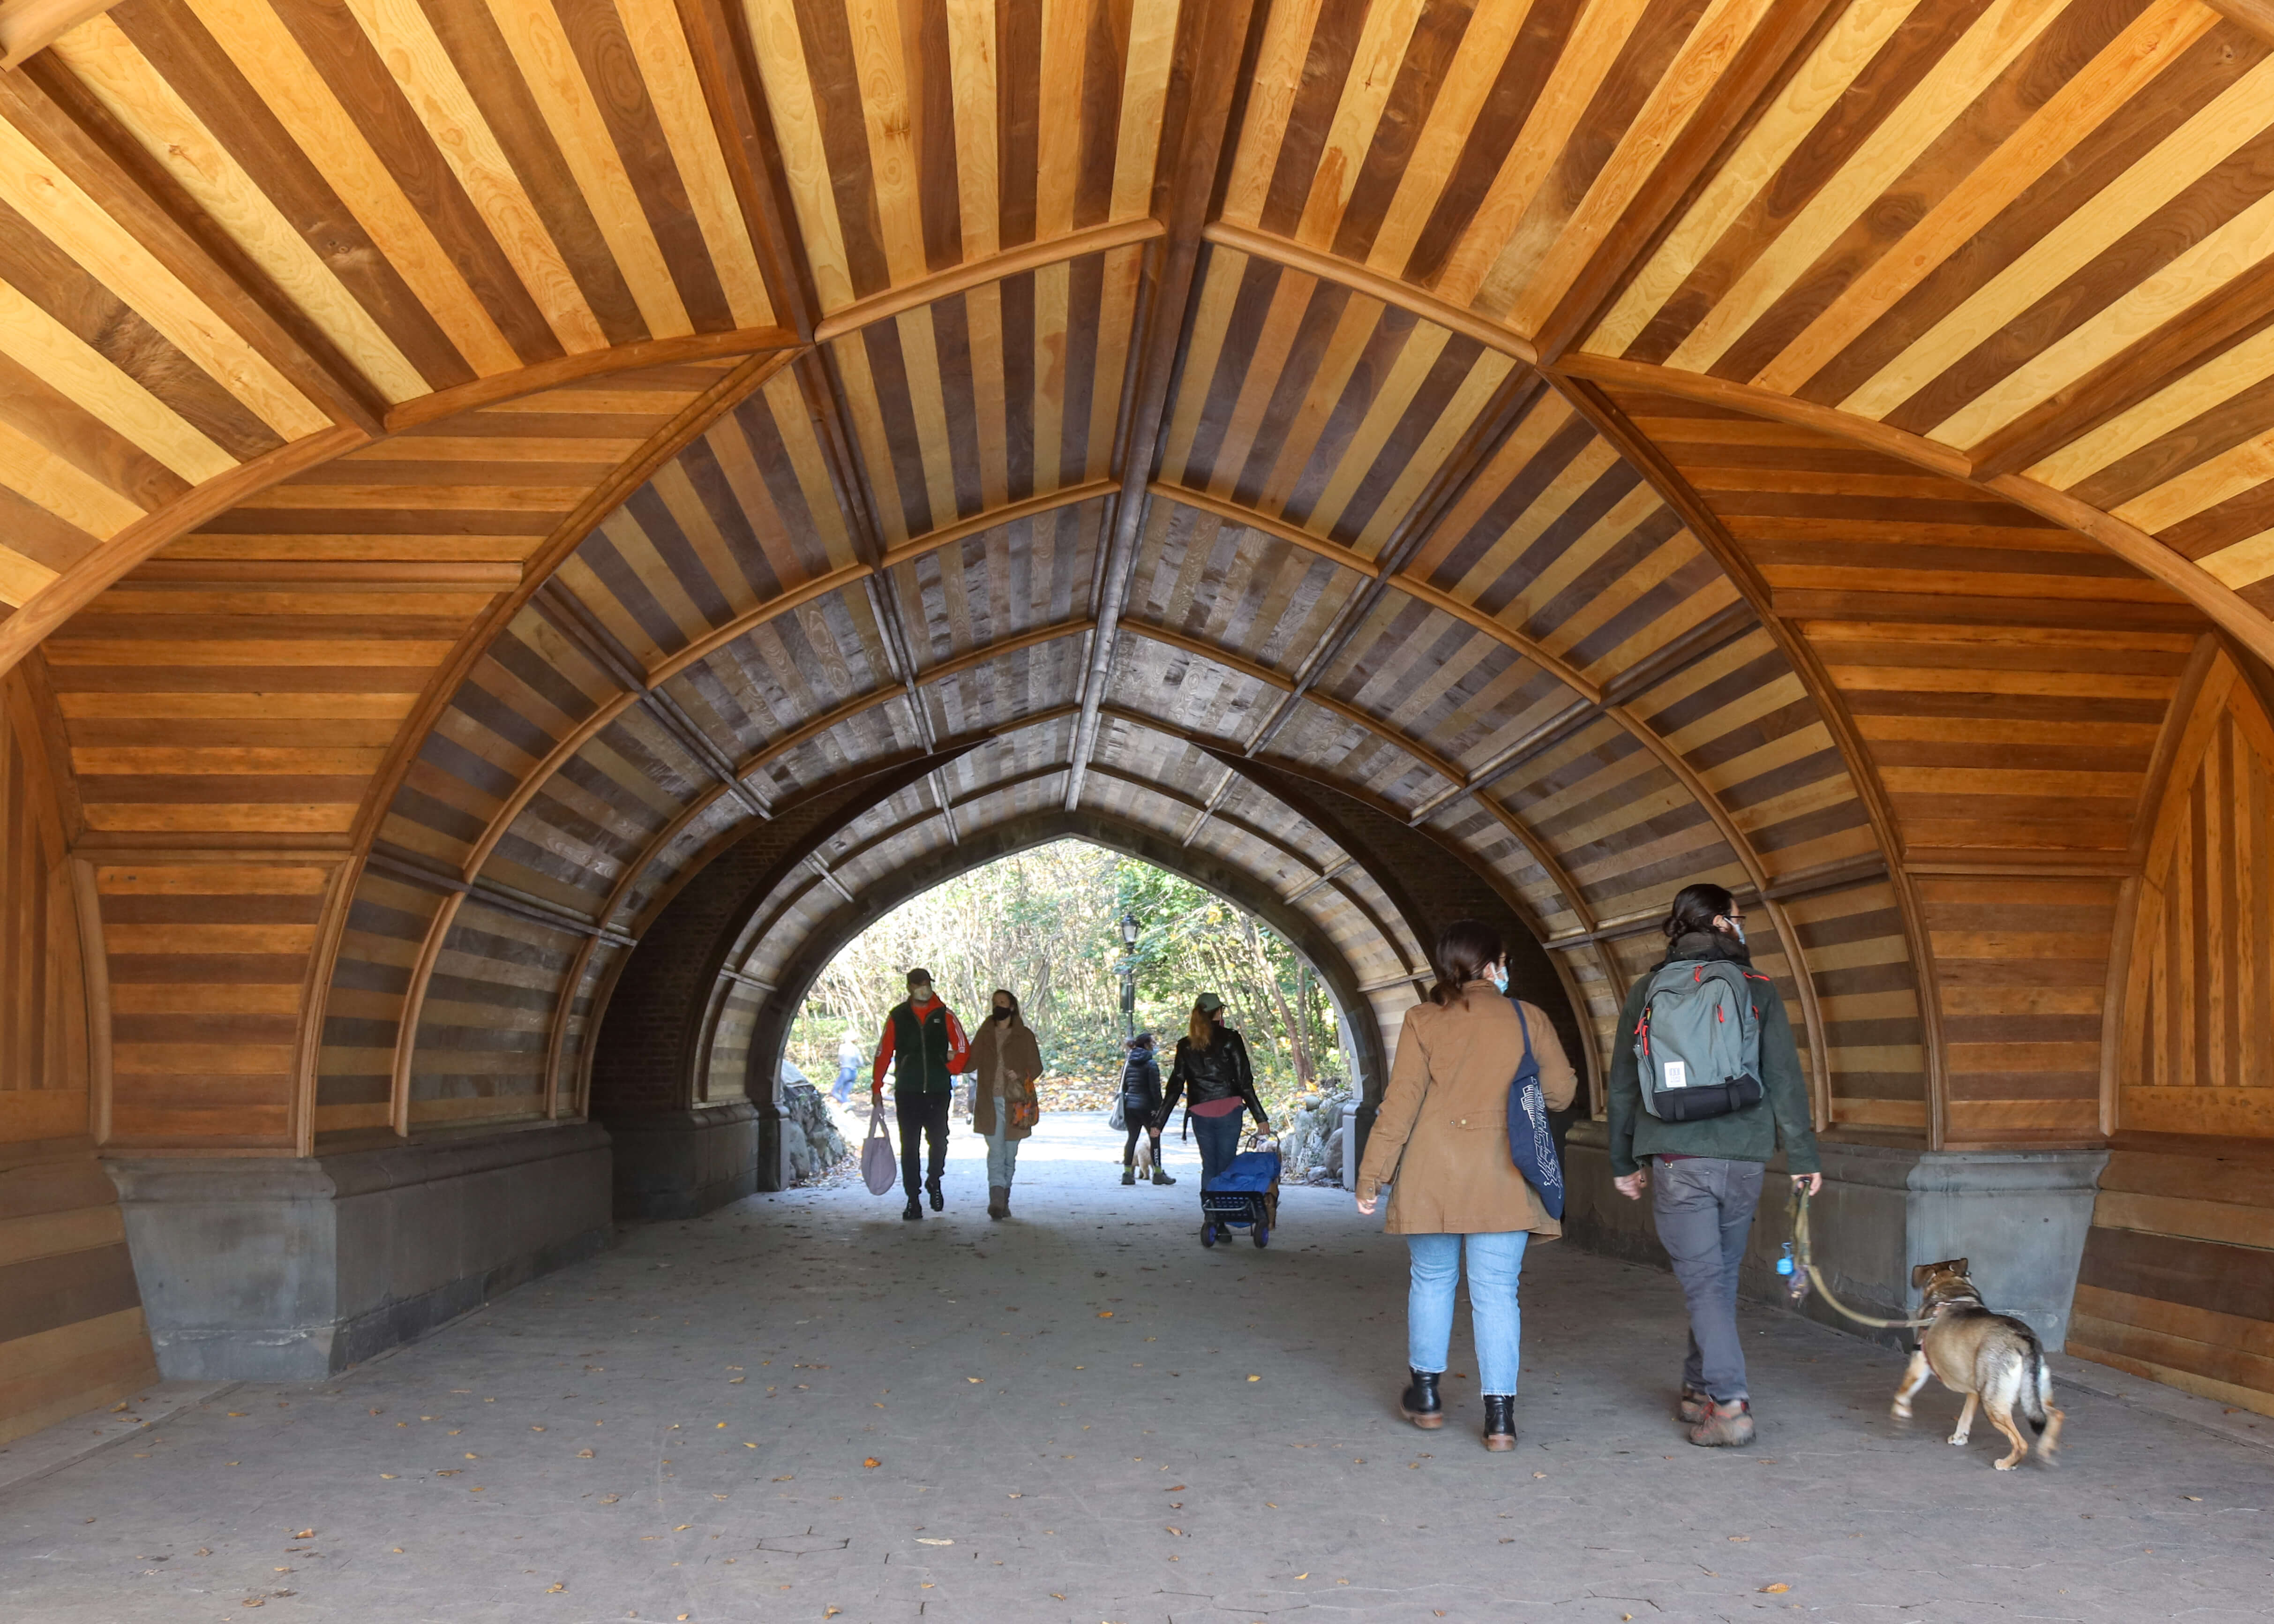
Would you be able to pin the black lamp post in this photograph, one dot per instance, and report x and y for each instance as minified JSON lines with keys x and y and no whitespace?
{"x":1130,"y":930}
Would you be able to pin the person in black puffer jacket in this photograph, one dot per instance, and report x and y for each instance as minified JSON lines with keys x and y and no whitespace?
{"x":1141,"y":1108}
{"x":1212,"y":1075}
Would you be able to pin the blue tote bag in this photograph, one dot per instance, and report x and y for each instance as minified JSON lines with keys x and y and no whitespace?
{"x":1529,"y":1145}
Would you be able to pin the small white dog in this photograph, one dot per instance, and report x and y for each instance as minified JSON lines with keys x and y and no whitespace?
{"x":1144,"y":1155}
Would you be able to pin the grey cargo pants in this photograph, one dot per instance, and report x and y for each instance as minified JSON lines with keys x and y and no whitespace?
{"x":1704,"y":1209}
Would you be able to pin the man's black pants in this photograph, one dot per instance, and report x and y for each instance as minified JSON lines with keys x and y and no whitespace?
{"x":921,"y":1115}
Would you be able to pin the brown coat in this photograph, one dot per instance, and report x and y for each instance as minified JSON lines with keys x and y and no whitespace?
{"x":1003,"y":1057}
{"x":1441,"y":1140}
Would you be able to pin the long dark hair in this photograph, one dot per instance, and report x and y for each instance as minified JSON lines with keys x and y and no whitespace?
{"x":1695,"y":909}
{"x":1003,"y":992}
{"x":1463,"y":948}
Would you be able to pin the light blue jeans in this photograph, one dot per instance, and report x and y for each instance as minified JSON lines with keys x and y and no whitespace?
{"x":1495,"y":1263}
{"x":1002,"y":1159}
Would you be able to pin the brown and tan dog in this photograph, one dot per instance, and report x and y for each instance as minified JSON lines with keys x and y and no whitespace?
{"x":1994,"y":1359}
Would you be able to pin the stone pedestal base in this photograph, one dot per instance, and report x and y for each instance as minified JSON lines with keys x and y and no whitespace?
{"x":677,"y":1164}
{"x":2020,"y":1216}
{"x":292,"y":1270}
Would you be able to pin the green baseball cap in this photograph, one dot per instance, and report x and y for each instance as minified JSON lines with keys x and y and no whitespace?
{"x":1207,"y":1003}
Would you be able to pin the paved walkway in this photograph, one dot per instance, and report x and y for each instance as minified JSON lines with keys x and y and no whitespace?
{"x":801,"y":1407}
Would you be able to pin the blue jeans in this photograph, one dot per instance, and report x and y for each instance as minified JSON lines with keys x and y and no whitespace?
{"x":1218,"y":1137}
{"x":1495,"y":1263}
{"x":1002,"y":1159}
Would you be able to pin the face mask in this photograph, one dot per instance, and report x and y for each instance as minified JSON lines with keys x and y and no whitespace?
{"x":921,"y":993}
{"x":1738,"y":930}
{"x":1499,"y":974}
{"x":1002,"y":1014}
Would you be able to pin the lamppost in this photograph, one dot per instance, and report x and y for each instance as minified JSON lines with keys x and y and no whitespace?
{"x":1130,"y":929}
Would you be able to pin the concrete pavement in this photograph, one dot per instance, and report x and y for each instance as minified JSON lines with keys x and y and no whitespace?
{"x":800,"y":1407}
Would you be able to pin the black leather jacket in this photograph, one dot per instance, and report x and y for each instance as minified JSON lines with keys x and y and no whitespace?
{"x":1217,"y":1072}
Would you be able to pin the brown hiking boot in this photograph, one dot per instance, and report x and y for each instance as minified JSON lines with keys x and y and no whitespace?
{"x":1691,"y":1407}
{"x":1725,"y":1427}
{"x":998,"y":1202}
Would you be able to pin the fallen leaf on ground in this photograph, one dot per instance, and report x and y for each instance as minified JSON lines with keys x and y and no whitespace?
{"x":584,"y":1454}
{"x":935,"y":1542}
{"x":1106,"y":1314}
{"x":872,"y":1460}
{"x":388,"y":1475}
{"x":552,"y":1589}
{"x":1774,"y":1590}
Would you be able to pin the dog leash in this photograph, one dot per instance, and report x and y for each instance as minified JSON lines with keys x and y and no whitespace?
{"x":1799,"y":1268}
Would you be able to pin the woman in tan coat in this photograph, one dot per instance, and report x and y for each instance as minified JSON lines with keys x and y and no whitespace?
{"x":1441,"y":1141}
{"x":1005,"y":1061}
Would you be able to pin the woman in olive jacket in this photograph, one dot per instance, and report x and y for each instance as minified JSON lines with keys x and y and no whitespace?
{"x":1440,"y":1143}
{"x":1708,"y":1173}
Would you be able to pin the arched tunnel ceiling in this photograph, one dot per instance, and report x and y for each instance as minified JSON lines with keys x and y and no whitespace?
{"x":524,"y":444}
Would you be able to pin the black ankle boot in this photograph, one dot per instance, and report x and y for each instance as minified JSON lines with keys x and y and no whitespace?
{"x":1420,"y":1402}
{"x":1499,"y":1422}
{"x":938,"y":1200}
{"x":912,"y":1212}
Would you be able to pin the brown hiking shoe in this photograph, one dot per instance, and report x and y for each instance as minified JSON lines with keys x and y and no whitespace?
{"x":1732,"y":1430}
{"x":1691,"y":1407}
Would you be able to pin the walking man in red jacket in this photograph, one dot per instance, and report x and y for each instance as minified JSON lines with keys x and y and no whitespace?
{"x":924,"y":1044}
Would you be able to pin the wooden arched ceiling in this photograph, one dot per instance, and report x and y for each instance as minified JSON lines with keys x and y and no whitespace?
{"x":1627,"y":440}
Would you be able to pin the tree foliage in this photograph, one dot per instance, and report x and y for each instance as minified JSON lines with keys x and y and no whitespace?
{"x":1046,"y":924}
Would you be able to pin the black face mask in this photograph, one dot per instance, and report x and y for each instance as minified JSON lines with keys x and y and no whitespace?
{"x":1001,"y":1014}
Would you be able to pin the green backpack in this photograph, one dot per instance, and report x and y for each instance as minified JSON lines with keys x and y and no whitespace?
{"x":1698,"y":1046}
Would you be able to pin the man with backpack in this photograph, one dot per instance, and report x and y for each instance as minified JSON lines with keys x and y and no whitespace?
{"x":1705,"y":1080}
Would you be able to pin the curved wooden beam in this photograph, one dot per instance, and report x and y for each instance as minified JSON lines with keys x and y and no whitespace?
{"x":78,"y":586}
{"x":1374,"y":285}
{"x":993,"y":267}
{"x":587,"y":365}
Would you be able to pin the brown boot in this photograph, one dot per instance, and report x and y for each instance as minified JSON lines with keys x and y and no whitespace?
{"x":1725,"y":1426}
{"x":1692,"y":1406}
{"x":998,"y":1201}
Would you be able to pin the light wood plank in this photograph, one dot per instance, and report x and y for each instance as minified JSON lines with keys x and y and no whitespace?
{"x":971,"y":89}
{"x":271,"y":59}
{"x":141,"y":99}
{"x":1854,"y":40}
{"x":76,"y":224}
{"x":1483,"y":48}
{"x":1144,"y":100}
{"x":676,"y":91}
{"x":2001,"y":33}
{"x":62,"y":487}
{"x":881,"y":66}
{"x":1536,"y":269}
{"x":1587,"y":58}
{"x":407,"y":43}
{"x":1271,"y":102}
{"x":2198,"y":274}
{"x":534,"y":33}
{"x":797,"y":129}
{"x":2175,"y":163}
{"x":2124,"y":68}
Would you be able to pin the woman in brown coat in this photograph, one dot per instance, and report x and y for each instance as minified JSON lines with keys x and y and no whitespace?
{"x":1005,"y":1061}
{"x":1441,"y":1141}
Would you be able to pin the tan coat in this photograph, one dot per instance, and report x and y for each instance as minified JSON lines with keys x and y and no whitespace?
{"x":1007,"y":1061}
{"x":1441,"y":1140}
